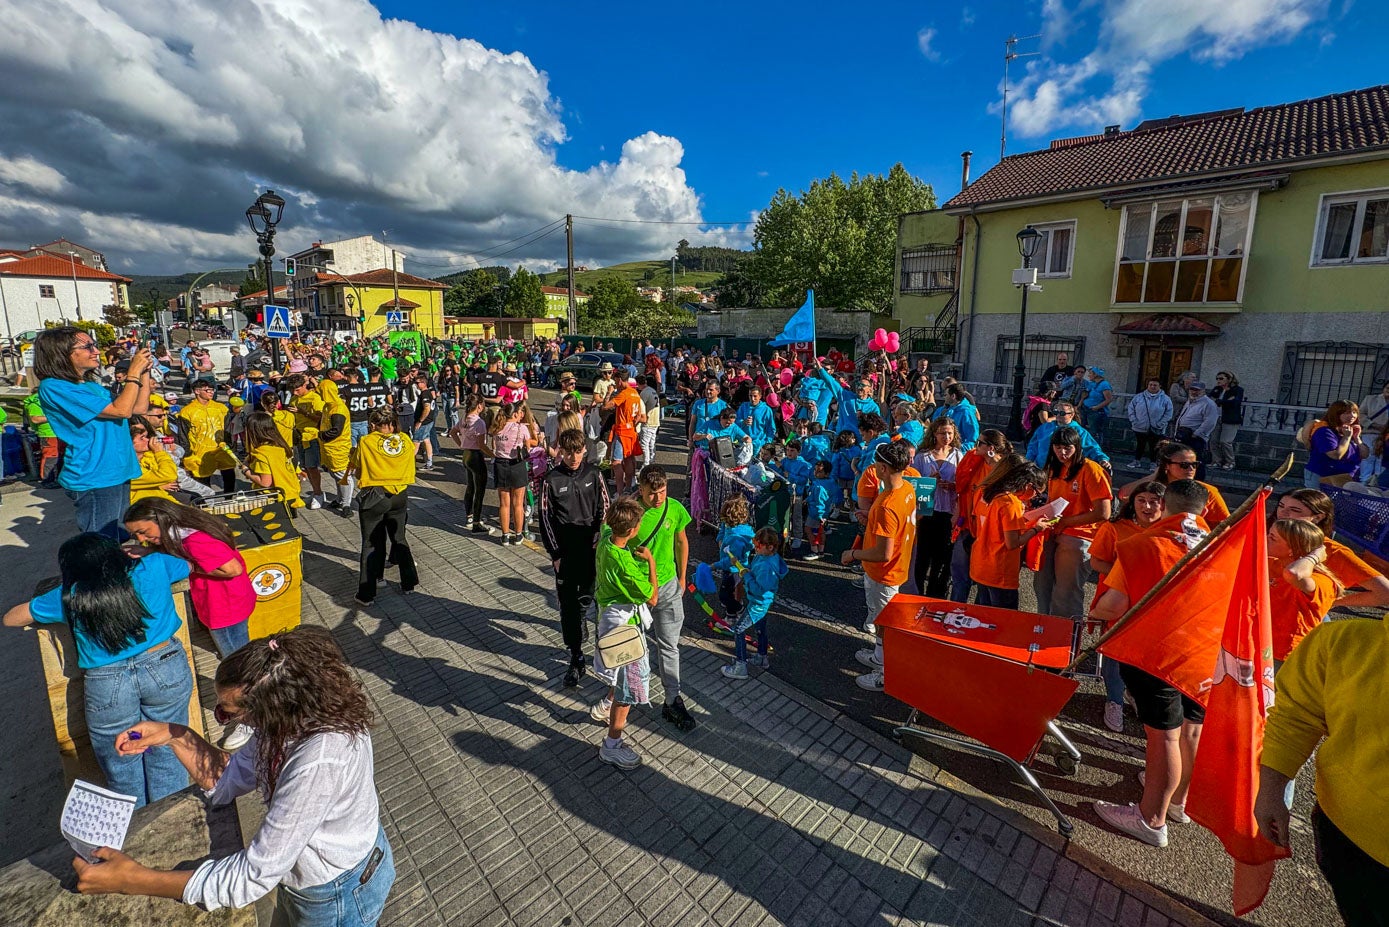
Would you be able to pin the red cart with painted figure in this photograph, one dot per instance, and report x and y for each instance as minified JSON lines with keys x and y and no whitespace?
{"x":993,"y":674}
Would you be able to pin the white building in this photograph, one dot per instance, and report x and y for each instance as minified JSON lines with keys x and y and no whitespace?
{"x":326,"y":261}
{"x":48,"y":288}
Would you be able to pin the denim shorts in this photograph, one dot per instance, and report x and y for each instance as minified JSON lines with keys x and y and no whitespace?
{"x":354,"y":899}
{"x":310,"y":456}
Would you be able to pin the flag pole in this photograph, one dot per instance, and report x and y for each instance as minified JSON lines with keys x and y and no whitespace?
{"x":1217,"y":532}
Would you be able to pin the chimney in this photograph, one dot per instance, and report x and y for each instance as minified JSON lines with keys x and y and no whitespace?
{"x":1111,"y":130}
{"x":964,"y":169}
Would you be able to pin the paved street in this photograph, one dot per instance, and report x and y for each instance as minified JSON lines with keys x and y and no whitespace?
{"x":787,"y":805}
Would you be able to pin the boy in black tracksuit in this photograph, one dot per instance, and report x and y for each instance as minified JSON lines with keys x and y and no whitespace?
{"x":573,"y":502}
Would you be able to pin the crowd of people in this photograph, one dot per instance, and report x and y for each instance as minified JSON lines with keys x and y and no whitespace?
{"x":820,"y":448}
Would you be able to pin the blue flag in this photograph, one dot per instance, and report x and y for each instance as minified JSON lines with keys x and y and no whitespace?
{"x":800,"y":327}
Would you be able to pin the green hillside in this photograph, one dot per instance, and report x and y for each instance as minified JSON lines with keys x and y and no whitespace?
{"x":642,"y":273}
{"x":166,"y":286}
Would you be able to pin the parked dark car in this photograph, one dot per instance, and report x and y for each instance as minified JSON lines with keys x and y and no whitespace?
{"x":584,"y":366}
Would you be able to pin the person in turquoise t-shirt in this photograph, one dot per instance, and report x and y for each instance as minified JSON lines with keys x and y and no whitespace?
{"x":100,"y":461}
{"x":758,"y":586}
{"x":626,"y":586}
{"x":123,"y":622}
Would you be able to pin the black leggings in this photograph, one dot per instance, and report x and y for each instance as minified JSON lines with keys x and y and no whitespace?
{"x":1147,"y":445}
{"x":1357,"y":879}
{"x":383,"y":518}
{"x":475,"y":467}
{"x":933,"y":551}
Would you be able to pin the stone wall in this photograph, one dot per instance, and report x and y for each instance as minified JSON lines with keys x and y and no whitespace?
{"x":762,"y":324}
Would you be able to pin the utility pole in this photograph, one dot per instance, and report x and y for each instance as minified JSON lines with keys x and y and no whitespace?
{"x":395,"y":272}
{"x":573,"y":303}
{"x":77,"y":293}
{"x":1009,"y":53}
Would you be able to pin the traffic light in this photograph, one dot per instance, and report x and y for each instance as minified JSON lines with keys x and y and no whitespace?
{"x":361,"y":318}
{"x":289,"y":267}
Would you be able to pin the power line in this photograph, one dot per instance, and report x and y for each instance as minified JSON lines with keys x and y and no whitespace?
{"x":479,"y":256}
{"x":663,"y":221}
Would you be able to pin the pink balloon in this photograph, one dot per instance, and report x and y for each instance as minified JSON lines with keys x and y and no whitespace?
{"x":875,"y":344}
{"x":894,"y":342}
{"x":880,"y":335}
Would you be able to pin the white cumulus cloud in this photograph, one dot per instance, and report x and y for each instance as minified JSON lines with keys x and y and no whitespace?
{"x":1108,"y":84}
{"x":148,"y":126}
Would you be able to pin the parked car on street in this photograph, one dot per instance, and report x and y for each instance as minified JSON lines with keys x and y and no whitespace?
{"x":584,"y":367}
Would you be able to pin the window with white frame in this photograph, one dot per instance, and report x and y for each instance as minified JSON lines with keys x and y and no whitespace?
{"x":1056,"y":250}
{"x":1352,"y":228}
{"x":929,"y":269}
{"x":45,"y":291}
{"x":1185,"y":250}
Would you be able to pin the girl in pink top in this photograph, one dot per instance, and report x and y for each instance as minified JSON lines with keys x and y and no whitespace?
{"x":509,"y":441}
{"x":223,"y":598}
{"x":470,"y":433}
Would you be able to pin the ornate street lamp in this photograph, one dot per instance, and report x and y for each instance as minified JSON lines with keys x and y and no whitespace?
{"x":1029,"y":240}
{"x":263,"y":215}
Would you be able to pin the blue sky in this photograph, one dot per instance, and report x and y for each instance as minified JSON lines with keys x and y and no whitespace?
{"x":459,"y":127}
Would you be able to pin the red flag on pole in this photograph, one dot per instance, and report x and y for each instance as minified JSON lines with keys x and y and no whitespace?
{"x":1208,"y":633}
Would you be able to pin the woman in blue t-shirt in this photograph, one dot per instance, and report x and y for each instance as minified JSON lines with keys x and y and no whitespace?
{"x":100,"y":459}
{"x":123,"y":622}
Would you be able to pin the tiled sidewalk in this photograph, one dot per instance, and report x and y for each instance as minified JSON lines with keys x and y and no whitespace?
{"x":774,"y":810}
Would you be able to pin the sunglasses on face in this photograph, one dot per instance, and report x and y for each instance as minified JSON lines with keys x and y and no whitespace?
{"x":1184,"y":464}
{"x":85,"y":346}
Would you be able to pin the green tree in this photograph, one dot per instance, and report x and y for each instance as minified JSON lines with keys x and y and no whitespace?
{"x":616,"y":310}
{"x":104,"y":334}
{"x":475,"y":293}
{"x":118,"y":316}
{"x":837,"y":238}
{"x":523,"y":297}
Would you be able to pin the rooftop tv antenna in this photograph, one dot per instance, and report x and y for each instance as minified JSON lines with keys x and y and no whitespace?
{"x":1010,"y":51}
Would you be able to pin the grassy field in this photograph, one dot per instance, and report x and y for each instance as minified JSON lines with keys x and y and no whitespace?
{"x":637,"y":272}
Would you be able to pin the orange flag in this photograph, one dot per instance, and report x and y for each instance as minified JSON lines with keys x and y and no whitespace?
{"x":1208,"y":633}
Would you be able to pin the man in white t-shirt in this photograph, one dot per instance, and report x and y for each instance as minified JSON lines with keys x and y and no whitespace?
{"x":652,"y":401}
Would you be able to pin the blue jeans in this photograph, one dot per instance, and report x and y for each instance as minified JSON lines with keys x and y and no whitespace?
{"x":152,"y":686}
{"x":998,"y":598}
{"x":359,"y":431}
{"x":231,"y":638}
{"x":959,"y":569}
{"x":740,"y":641}
{"x":1095,"y":420}
{"x":1113,"y":682}
{"x":100,"y":510}
{"x":346,"y":901}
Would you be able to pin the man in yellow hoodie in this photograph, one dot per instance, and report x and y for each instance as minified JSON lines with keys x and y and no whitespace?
{"x":1335,"y":686}
{"x":335,"y":445}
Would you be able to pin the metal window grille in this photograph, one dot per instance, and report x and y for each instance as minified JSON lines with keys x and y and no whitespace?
{"x":930,"y":269}
{"x":1317,"y":373}
{"x":1040,"y":354}
{"x":45,"y":291}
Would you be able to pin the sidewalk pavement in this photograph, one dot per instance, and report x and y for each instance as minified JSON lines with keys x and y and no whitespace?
{"x":776,"y":809}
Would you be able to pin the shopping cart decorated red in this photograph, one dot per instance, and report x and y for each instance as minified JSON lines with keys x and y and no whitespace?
{"x":992,"y":674}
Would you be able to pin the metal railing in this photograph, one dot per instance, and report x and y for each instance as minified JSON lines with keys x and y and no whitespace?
{"x":1266,"y":417}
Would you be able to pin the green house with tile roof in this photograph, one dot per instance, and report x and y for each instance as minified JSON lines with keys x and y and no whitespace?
{"x":1253,"y":241}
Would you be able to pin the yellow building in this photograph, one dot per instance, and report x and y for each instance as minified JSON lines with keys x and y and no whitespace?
{"x":557,"y":301}
{"x":487,"y":328}
{"x":371,"y":296}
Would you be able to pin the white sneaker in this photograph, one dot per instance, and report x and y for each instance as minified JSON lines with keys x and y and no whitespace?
{"x":868,"y":656}
{"x":738,"y":669}
{"x":315,"y":502}
{"x":1176,"y":814}
{"x":601,"y":711}
{"x":1114,"y":717}
{"x":621,"y":756}
{"x":857,"y":581}
{"x":236,"y":737}
{"x":1127,"y":819}
{"x":1137,"y":465}
{"x":873,"y":682}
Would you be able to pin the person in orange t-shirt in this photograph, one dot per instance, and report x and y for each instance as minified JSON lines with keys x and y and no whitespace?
{"x":1179,"y":462}
{"x":1303,"y":589}
{"x":979,"y":462}
{"x":1003,"y":530}
{"x":1362,"y":583}
{"x":1139,"y":513}
{"x":888,"y":547}
{"x":1060,"y":583}
{"x":1172,"y":720}
{"x":628,"y":412}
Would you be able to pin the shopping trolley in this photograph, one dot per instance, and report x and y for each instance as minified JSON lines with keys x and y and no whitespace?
{"x":993,"y":674}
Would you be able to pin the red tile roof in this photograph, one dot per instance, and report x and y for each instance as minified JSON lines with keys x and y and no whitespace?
{"x":563,"y":291}
{"x":1168,"y":323}
{"x":386,"y":277}
{"x":1164,"y":150}
{"x":401,"y":303}
{"x":49,"y":266}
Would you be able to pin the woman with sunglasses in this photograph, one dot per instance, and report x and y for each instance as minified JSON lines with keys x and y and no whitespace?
{"x":321,"y":842}
{"x":1179,"y":462}
{"x":100,"y":460}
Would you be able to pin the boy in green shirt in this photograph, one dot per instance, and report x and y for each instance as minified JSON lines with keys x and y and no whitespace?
{"x":625,"y":587}
{"x":48,"y":439}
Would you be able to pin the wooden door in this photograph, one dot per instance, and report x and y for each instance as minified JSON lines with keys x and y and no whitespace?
{"x":1163,"y":363}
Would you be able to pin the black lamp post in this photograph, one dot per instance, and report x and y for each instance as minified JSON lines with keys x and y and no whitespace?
{"x":263,"y":215}
{"x":1029,"y":239}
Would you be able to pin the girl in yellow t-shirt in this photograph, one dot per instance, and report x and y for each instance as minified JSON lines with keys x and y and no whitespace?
{"x":383,"y":464}
{"x":269,"y":460}
{"x":158,"y":472}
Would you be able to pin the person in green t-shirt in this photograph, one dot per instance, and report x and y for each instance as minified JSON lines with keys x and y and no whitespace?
{"x":663,"y":532}
{"x":625,"y":587}
{"x":48,"y":439}
{"x":388,"y":365}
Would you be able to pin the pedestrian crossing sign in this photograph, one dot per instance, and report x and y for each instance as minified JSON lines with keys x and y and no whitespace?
{"x":395,"y":318}
{"x":277,"y":321}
